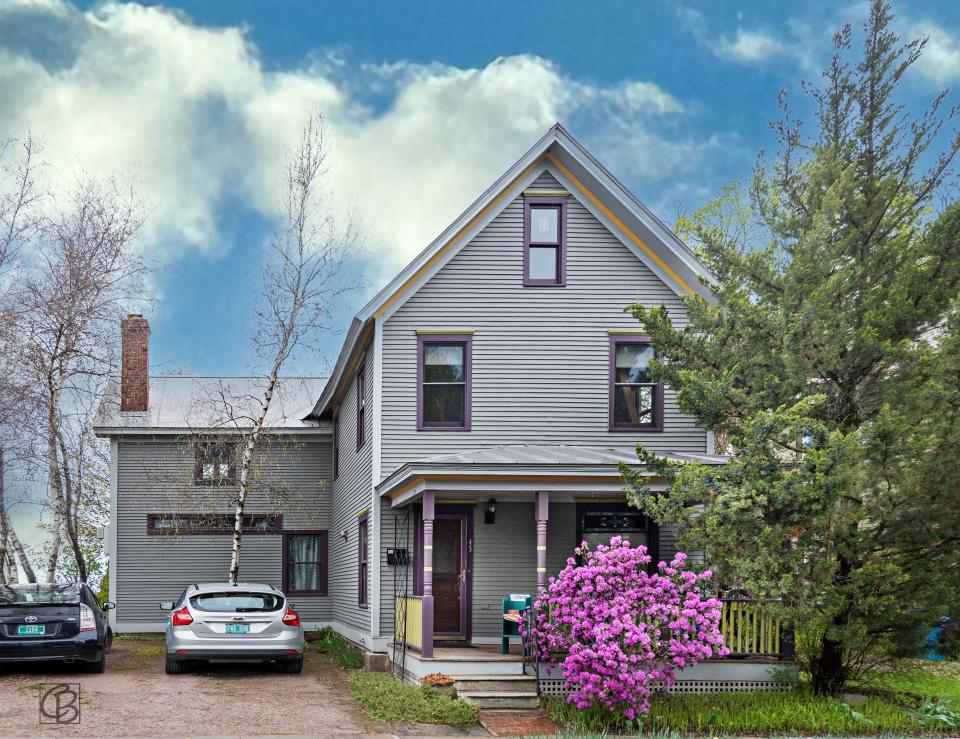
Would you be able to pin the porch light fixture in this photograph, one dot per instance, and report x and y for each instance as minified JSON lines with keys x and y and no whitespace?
{"x":490,"y":515}
{"x":344,"y":534}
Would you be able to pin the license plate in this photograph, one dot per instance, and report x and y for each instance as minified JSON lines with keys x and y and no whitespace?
{"x":31,"y":630}
{"x":238,"y":628}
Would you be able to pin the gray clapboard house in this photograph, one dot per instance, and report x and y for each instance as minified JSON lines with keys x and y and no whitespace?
{"x":468,"y":437}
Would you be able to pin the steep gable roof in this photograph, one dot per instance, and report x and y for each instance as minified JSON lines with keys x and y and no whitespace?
{"x":596,"y":188}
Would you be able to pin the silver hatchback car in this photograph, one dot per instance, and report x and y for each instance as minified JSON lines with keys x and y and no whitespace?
{"x":219,"y":621}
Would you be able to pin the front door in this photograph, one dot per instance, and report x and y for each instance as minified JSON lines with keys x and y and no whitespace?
{"x":450,"y":575}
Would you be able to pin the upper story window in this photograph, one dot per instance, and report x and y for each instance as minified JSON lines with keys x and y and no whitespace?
{"x":444,"y":382}
{"x":215,"y":463}
{"x":544,"y":241}
{"x":336,"y":445}
{"x":636,"y":400}
{"x":361,"y":406}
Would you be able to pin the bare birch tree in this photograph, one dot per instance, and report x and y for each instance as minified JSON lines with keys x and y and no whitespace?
{"x":304,"y":275}
{"x":85,"y":272}
{"x":18,"y":223}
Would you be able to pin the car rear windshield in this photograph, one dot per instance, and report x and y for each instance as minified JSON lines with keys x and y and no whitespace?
{"x":237,"y":602}
{"x":17,"y":594}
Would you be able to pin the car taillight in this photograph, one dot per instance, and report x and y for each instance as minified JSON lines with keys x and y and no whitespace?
{"x":291,"y":617}
{"x":87,"y":622}
{"x":182,"y":617}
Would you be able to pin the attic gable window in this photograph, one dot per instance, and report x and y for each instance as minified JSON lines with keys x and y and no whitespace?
{"x":215,"y":463}
{"x":544,"y":241}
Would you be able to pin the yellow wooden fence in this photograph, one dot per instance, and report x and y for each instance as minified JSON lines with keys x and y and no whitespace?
{"x":409,"y":613}
{"x":749,"y":629}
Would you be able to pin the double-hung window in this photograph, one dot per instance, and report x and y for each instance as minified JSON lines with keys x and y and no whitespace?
{"x":544,"y":242}
{"x":305,"y":563}
{"x":636,"y":400}
{"x":336,"y":445}
{"x":362,"y":561}
{"x":444,"y":383}
{"x":215,"y":463}
{"x":361,"y":406}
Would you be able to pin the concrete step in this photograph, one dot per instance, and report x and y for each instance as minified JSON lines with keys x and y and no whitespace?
{"x":512,"y":700}
{"x":495,"y":683}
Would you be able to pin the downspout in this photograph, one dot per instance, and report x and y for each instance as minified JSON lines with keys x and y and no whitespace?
{"x":376,"y":553}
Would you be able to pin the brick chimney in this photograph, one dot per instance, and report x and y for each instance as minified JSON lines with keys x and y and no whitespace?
{"x":134,"y":364}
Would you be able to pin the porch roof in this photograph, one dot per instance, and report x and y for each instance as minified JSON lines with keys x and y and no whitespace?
{"x":522,"y":468}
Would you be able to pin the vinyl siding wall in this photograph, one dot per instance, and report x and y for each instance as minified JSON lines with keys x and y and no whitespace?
{"x":540,"y":354}
{"x":504,"y":558}
{"x":155,"y":476}
{"x":351,"y":495}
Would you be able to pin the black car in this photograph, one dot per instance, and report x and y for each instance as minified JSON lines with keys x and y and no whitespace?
{"x":54,"y":622}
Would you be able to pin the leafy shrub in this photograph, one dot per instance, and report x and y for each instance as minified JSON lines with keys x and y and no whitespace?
{"x":936,"y":714}
{"x":338,"y":649}
{"x":624,"y":631}
{"x":388,"y":699}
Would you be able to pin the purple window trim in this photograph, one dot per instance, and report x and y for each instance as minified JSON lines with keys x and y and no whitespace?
{"x":361,"y":405}
{"x":467,"y":341}
{"x":336,"y":444}
{"x":657,"y":425}
{"x":363,"y":560}
{"x":324,"y":560}
{"x":275,"y":527}
{"x":215,"y":452}
{"x":561,"y":204}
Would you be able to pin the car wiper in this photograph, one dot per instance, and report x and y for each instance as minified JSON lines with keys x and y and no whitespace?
{"x":248,"y":610}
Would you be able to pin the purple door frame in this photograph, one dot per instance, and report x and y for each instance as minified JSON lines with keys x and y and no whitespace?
{"x":465,"y":514}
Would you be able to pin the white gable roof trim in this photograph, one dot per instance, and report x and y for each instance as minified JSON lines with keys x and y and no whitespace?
{"x":558,"y":152}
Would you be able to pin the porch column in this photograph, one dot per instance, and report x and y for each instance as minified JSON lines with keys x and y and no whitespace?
{"x":428,"y":509}
{"x":543,"y":513}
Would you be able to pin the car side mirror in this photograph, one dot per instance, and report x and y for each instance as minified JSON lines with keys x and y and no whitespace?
{"x":166,"y":605}
{"x":108,"y":605}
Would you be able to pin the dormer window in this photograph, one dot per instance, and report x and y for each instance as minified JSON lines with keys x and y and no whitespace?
{"x":544,"y":242}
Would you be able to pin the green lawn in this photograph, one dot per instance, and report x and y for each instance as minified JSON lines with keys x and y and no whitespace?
{"x":892,"y":695}
{"x":388,"y":699}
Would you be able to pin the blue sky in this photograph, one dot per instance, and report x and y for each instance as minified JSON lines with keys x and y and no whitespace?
{"x":196,"y":103}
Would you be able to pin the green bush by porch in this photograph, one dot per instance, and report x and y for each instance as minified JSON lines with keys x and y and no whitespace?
{"x":388,"y":699}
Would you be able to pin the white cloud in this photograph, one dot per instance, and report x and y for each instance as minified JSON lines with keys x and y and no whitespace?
{"x":201,"y":124}
{"x":796,"y":41}
{"x":940,"y":62}
{"x":749,"y":47}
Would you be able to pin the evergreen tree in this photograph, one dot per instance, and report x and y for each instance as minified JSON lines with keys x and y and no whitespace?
{"x":829,"y":364}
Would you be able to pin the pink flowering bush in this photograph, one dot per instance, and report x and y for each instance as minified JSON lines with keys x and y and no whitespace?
{"x":620,"y":630}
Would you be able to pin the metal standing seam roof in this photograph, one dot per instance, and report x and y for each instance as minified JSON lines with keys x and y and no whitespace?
{"x":531,"y":459}
{"x":527,"y":454}
{"x":185,"y":402}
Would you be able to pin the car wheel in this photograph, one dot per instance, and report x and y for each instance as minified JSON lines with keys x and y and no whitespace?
{"x":173,"y":666}
{"x":293,"y":666}
{"x":99,"y":666}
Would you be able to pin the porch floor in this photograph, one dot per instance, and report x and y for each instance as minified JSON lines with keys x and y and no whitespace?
{"x":478,"y":653}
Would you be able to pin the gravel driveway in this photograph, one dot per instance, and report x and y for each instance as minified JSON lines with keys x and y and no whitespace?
{"x":135,"y":697}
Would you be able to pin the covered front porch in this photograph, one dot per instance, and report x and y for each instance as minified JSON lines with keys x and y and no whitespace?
{"x":483,"y":526}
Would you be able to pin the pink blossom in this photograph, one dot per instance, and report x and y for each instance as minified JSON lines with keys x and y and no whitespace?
{"x":618,"y":632}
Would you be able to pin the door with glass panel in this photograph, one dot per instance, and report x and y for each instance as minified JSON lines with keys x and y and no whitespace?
{"x":450,"y":576}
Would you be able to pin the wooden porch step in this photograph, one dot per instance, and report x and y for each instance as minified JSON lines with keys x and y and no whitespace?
{"x":495,"y":683}
{"x":500,"y":700}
